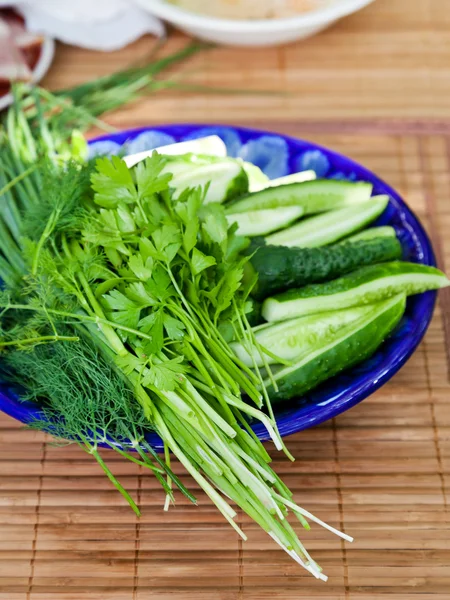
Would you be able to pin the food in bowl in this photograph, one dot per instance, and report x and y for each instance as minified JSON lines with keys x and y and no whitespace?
{"x":251,"y":9}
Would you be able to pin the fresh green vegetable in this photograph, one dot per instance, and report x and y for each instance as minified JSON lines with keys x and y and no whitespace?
{"x":371,"y":233}
{"x":288,"y":340}
{"x":331,"y":226}
{"x":351,"y":345}
{"x":262,"y":222}
{"x":279,"y":268}
{"x":292,"y":178}
{"x":224,"y":179}
{"x":363,"y":286}
{"x":314,"y":196}
{"x":259,"y":181}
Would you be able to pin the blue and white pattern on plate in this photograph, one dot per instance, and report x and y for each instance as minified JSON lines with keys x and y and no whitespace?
{"x":314,"y":160}
{"x":268,"y":152}
{"x":278,"y":155}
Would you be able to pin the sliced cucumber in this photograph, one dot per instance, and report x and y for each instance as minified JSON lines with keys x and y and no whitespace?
{"x":186,"y":163}
{"x":371,"y":233}
{"x":293,"y":178}
{"x":225,"y":178}
{"x":291,"y":339}
{"x":280,"y":268}
{"x":314,"y":196}
{"x":331,"y":226}
{"x":351,"y":345}
{"x":211,"y":145}
{"x":262,"y":222}
{"x":257,"y":180}
{"x":364,"y":286}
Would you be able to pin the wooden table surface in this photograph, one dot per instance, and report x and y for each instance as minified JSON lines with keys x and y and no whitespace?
{"x":376,"y":87}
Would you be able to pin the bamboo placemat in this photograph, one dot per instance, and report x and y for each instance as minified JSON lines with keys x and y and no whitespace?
{"x":381,"y":471}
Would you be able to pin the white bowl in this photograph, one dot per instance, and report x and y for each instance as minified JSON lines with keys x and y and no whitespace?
{"x":41,"y":68}
{"x":264,"y":32}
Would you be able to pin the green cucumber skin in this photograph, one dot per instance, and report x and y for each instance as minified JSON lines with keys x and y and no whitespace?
{"x":346,"y":352}
{"x":371,"y":234}
{"x":363,"y":286}
{"x":296,"y":338}
{"x":318,"y":195}
{"x":238,"y":187}
{"x":280,"y":268}
{"x":331,"y":226}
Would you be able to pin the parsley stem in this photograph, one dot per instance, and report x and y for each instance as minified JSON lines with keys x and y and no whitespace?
{"x":40,"y":340}
{"x":169,"y":482}
{"x":223,"y":506}
{"x":115,"y":481}
{"x":78,"y":317}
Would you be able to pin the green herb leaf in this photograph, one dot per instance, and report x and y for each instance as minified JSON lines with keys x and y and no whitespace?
{"x":139,"y":294}
{"x":166,"y":376}
{"x":113,"y":182}
{"x":129,"y":363}
{"x":160,"y":285}
{"x":230,"y":284}
{"x":174,"y":328}
{"x":148,"y":175}
{"x":140,"y":269}
{"x":167,"y":241}
{"x":190,"y":235}
{"x":215,"y":224}
{"x":153,"y":326}
{"x":115,"y":300}
{"x":200,"y":261}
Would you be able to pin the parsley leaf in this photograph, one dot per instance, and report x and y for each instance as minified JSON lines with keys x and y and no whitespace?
{"x":140,"y":269}
{"x":215,"y":224}
{"x":230,"y":284}
{"x":153,"y":325}
{"x":174,"y":328}
{"x":113,"y":182}
{"x":167,"y":241}
{"x":165,"y":376}
{"x":200,"y":261}
{"x":115,"y":300}
{"x":148,"y":175}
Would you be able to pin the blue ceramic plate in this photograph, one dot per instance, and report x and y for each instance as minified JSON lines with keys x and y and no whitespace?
{"x":279,"y":155}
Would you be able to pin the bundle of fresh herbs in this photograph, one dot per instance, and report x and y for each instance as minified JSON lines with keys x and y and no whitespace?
{"x":117,"y":293}
{"x":132,"y":287}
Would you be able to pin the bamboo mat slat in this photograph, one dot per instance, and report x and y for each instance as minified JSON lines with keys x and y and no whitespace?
{"x":374,"y":87}
{"x":391,"y":60}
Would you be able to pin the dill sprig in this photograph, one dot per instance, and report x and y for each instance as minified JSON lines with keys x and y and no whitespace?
{"x":83,"y":399}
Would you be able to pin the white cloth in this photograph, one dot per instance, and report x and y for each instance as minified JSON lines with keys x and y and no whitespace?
{"x":96,"y":24}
